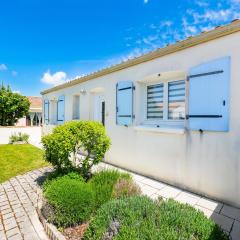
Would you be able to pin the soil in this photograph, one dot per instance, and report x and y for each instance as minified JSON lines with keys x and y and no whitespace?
{"x":75,"y":233}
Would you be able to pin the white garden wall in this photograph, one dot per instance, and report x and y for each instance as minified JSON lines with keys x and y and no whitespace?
{"x":33,"y":132}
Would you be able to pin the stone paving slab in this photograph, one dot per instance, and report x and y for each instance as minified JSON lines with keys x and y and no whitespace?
{"x":18,"y":201}
{"x":225,"y":216}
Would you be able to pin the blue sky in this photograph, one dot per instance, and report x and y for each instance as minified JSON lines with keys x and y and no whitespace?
{"x":46,"y":42}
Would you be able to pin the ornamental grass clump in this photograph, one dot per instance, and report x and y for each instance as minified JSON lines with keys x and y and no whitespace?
{"x":76,"y":145}
{"x":140,"y":218}
{"x":125,"y":188}
{"x":19,"y":138}
{"x":103,"y":184}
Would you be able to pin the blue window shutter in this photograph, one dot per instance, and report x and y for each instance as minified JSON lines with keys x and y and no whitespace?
{"x":209,"y":96}
{"x":124,"y":98}
{"x":61,"y":110}
{"x":46,"y":111}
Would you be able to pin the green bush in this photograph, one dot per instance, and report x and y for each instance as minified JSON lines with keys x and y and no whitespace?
{"x":103,"y":183}
{"x":62,"y":147}
{"x":19,"y":137}
{"x":63,"y":175}
{"x":140,"y":218}
{"x":73,"y":201}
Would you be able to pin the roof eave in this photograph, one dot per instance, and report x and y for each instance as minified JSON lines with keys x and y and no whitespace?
{"x":189,"y":42}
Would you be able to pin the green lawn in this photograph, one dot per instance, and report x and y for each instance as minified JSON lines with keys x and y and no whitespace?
{"x":18,"y":159}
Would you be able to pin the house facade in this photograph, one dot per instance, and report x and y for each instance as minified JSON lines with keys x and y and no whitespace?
{"x":34,"y":117}
{"x":172,"y":114}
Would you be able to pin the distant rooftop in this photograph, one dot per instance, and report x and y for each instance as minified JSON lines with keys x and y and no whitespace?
{"x":35,"y":103}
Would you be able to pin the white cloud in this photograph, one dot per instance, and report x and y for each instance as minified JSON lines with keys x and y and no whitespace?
{"x":166,"y":23}
{"x":14,"y":73}
{"x":55,"y":78}
{"x":202,"y":3}
{"x":3,"y":67}
{"x":17,"y":91}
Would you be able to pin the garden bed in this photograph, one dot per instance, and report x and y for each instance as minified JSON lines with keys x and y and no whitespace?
{"x":108,"y":205}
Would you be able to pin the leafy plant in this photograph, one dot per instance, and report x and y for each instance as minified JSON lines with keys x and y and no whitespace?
{"x":103,"y":183}
{"x":71,"y":200}
{"x":140,"y":218}
{"x":12,"y":106}
{"x":19,"y":137}
{"x":76,"y":145}
{"x":125,"y":188}
{"x":63,"y":175}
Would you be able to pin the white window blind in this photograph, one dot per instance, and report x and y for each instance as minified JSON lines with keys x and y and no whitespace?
{"x":176,"y":100}
{"x":155,"y":101}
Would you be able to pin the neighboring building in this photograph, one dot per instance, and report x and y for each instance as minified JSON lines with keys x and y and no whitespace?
{"x":34,"y":118}
{"x":172,"y":114}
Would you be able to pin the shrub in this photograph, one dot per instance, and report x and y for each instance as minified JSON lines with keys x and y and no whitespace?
{"x":125,"y":188}
{"x":65,"y":147}
{"x":103,"y":183}
{"x":140,"y":218}
{"x":63,"y":175}
{"x":72,"y":201}
{"x":19,"y":137}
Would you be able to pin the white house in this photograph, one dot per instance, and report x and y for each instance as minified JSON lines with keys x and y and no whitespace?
{"x":34,"y":117}
{"x":172,"y":114}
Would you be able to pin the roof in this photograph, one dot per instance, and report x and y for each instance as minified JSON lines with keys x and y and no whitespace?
{"x":219,"y":31}
{"x":35,"y":103}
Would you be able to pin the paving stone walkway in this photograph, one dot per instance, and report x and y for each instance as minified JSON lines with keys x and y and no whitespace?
{"x":18,"y":201}
{"x":19,"y":196}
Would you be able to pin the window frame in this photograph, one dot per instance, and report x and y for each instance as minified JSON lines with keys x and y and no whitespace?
{"x":74,"y":107}
{"x":165,"y":121}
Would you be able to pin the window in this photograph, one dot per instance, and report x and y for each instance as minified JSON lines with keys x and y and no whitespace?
{"x":76,"y":107}
{"x":61,"y":109}
{"x":176,"y":100}
{"x":166,"y":101}
{"x":46,"y":111}
{"x":155,"y":101}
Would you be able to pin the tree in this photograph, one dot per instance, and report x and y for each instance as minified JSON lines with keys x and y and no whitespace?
{"x":12,"y":106}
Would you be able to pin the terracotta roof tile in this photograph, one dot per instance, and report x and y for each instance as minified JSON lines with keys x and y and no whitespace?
{"x":35,"y":102}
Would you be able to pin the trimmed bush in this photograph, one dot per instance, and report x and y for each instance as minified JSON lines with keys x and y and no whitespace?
{"x":140,"y":218}
{"x":63,"y":175}
{"x":72,"y":200}
{"x":103,"y":183}
{"x":66,"y":145}
{"x":125,"y":188}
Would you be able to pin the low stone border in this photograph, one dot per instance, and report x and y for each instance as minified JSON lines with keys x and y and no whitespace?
{"x":49,"y":228}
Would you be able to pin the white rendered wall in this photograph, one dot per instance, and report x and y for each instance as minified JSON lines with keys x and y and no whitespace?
{"x":207,"y":163}
{"x":34,"y":133}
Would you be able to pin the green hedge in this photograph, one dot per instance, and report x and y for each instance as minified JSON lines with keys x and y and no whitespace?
{"x":73,"y":201}
{"x":140,"y":218}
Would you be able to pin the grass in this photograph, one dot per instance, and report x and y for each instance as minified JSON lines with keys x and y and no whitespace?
{"x":19,"y":159}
